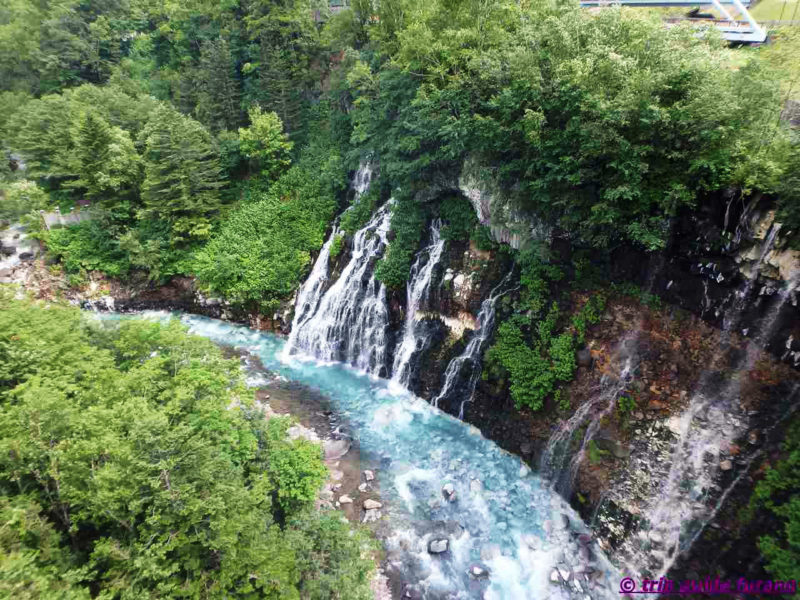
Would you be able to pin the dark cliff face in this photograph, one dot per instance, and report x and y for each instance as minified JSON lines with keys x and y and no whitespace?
{"x":725,"y":291}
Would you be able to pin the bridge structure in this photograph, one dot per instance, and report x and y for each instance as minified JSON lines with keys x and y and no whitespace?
{"x":733,"y":20}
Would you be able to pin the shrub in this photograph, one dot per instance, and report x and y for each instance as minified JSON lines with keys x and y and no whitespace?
{"x":458,"y":216}
{"x":264,"y":248}
{"x":408,"y":220}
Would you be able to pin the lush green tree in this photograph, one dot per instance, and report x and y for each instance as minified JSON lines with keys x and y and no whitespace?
{"x":182,"y":175}
{"x":264,"y":248}
{"x":219,"y":96}
{"x":105,"y":161}
{"x":266,"y":143}
{"x":779,"y":493}
{"x":134,"y":465}
{"x":20,"y":198}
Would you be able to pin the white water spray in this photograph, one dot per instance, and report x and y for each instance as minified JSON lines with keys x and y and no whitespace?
{"x":417,"y":290}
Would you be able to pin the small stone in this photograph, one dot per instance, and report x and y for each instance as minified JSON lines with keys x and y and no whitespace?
{"x":752,"y":438}
{"x":369,"y":475}
{"x":478,"y":572}
{"x":449,"y":492}
{"x":371,"y":504}
{"x":655,"y":537}
{"x":362,"y":488}
{"x":371,"y":516}
{"x":726,"y":465}
{"x":554,"y":577}
{"x":345,"y":499}
{"x":564,"y":571}
{"x":438,"y":546}
{"x":489,"y":552}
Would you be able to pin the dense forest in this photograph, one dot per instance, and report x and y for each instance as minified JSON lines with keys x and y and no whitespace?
{"x":217,"y":140}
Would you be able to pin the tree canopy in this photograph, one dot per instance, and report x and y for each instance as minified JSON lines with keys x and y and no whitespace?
{"x":135,"y":465}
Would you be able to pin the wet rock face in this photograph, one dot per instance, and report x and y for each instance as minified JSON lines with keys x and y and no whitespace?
{"x":713,"y":271}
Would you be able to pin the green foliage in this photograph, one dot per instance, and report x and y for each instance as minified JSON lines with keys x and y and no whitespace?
{"x":20,"y":198}
{"x":596,"y":454}
{"x":359,"y":213}
{"x":779,"y":493}
{"x":182,"y":175}
{"x":625,"y":405}
{"x":589,"y":314}
{"x":336,"y":246}
{"x":536,"y":370}
{"x":264,"y":248}
{"x":105,"y":161}
{"x":87,"y":246}
{"x":458,"y":216}
{"x":265,"y":143}
{"x":134,"y":465}
{"x":537,"y":273}
{"x":408,"y":221}
{"x":638,"y":293}
{"x":482,"y":238}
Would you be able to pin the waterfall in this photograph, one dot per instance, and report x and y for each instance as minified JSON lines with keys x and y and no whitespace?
{"x":310,"y":293}
{"x":471,"y":357}
{"x":351,"y":319}
{"x":557,"y":449}
{"x":555,"y":453}
{"x":677,"y":514}
{"x":417,"y":290}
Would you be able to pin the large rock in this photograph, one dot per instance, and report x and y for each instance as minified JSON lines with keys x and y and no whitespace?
{"x":438,"y":546}
{"x":335,"y":449}
{"x":8,"y":250}
{"x":585,"y":357}
{"x":371,"y":504}
{"x":612,"y":446}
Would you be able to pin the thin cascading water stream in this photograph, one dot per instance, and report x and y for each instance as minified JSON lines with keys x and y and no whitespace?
{"x":417,"y":290}
{"x":310,"y":293}
{"x":556,"y":452}
{"x":351,"y":319}
{"x":611,"y":397}
{"x":470,"y":358}
{"x":681,"y":509}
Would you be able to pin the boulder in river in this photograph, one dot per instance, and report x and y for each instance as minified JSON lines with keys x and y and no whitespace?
{"x":478,"y":572}
{"x":449,"y":492}
{"x":438,"y":546}
{"x":369,"y":475}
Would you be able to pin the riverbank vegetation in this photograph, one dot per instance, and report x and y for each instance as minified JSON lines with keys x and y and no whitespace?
{"x":169,"y":121}
{"x":135,"y":464}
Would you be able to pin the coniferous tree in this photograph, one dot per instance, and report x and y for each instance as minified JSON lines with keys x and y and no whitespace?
{"x":182,"y":175}
{"x":219,"y":96}
{"x":105,"y":161}
{"x":281,"y":85}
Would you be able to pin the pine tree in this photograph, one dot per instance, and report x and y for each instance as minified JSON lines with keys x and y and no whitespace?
{"x":105,"y":161}
{"x":219,"y":96}
{"x":182,"y":175}
{"x":281,"y":85}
